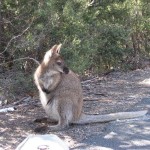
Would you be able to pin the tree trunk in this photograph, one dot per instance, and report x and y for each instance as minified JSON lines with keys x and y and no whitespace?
{"x":136,"y":51}
{"x":1,"y":24}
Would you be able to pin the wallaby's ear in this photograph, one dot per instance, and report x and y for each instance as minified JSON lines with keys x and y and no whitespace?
{"x":49,"y":53}
{"x":56,"y":48}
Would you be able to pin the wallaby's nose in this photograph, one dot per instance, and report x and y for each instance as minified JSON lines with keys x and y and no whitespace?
{"x":65,"y":70}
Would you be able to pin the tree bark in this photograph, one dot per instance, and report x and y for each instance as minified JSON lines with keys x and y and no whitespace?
{"x":1,"y":24}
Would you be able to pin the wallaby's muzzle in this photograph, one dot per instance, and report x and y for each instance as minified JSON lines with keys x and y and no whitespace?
{"x":66,"y":70}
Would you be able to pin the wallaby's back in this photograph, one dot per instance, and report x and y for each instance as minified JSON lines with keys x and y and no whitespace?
{"x":69,"y":94}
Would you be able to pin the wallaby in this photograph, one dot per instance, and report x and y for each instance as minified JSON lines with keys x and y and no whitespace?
{"x":61,"y":94}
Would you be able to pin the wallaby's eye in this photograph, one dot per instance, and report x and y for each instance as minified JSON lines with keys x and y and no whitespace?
{"x":59,"y":63}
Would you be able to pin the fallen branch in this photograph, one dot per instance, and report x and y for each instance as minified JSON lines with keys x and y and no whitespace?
{"x":22,"y":103}
{"x":25,"y":58}
{"x":24,"y":99}
{"x":21,"y":100}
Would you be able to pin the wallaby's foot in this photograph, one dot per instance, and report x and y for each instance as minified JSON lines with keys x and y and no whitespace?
{"x":58,"y":127}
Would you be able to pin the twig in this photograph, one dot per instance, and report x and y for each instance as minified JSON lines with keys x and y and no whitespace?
{"x":102,"y":94}
{"x":21,"y":59}
{"x":21,"y":100}
{"x":90,"y":80}
{"x":15,"y":37}
{"x":16,"y":103}
{"x":91,"y":99}
{"x":91,"y":3}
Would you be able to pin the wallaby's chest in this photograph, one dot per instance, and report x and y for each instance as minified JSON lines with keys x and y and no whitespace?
{"x":50,"y":107}
{"x":46,"y":80}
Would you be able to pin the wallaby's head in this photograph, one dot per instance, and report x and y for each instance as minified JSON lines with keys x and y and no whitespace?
{"x":53,"y":61}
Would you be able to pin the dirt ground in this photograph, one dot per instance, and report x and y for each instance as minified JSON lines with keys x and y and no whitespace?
{"x":115,"y":92}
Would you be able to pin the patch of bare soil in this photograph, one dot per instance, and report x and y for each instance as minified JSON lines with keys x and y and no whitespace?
{"x":108,"y":94}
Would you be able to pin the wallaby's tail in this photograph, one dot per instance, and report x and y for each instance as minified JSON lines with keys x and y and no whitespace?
{"x":85,"y":119}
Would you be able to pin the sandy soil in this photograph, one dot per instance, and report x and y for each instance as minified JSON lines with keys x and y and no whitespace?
{"x":112,"y":93}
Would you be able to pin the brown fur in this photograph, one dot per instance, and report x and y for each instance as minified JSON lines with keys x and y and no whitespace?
{"x":61,"y":93}
{"x":63,"y":99}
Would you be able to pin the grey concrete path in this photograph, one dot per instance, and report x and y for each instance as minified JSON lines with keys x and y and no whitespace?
{"x":133,"y":134}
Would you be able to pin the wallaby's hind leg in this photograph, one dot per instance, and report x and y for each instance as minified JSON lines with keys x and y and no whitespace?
{"x":64,"y":120}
